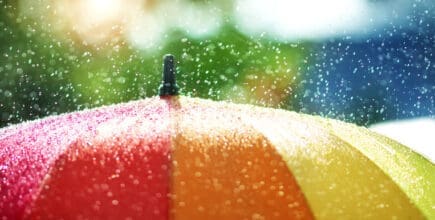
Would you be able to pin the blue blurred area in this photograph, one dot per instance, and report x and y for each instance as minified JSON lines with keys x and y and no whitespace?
{"x":390,"y":75}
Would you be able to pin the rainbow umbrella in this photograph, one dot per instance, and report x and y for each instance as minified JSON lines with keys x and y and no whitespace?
{"x":172,"y":157}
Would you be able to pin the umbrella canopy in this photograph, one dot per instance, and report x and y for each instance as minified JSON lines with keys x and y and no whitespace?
{"x":185,"y":158}
{"x":173,"y":157}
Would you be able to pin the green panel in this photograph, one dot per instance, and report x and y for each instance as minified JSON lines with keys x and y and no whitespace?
{"x":413,"y":173}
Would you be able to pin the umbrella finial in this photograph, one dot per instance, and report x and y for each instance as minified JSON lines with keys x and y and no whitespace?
{"x":169,"y":86}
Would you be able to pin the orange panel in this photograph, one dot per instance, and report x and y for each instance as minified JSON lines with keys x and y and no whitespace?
{"x":224,"y":175}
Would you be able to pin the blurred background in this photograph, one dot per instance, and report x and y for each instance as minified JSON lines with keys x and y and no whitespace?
{"x":361,"y":61}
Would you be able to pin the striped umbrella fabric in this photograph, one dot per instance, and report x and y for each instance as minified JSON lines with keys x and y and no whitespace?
{"x":186,"y":158}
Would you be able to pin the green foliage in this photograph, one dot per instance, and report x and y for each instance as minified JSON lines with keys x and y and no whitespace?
{"x":44,"y":73}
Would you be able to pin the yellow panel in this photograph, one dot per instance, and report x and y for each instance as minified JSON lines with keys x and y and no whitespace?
{"x":412,"y":172}
{"x":338,"y":181}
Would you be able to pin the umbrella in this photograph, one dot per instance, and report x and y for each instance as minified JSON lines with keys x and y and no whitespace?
{"x":408,"y":132}
{"x":174,"y":157}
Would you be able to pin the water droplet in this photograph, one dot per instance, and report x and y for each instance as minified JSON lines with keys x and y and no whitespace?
{"x":115,"y":202}
{"x":198,"y":174}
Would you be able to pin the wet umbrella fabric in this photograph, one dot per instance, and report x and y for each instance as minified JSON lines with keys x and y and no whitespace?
{"x":184,"y":158}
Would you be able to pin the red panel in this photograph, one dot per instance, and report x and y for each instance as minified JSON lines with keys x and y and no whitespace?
{"x":108,"y":181}
{"x":28,"y":152}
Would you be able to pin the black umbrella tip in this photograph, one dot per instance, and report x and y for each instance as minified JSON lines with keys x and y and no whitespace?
{"x":169,"y":86}
{"x":168,"y":58}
